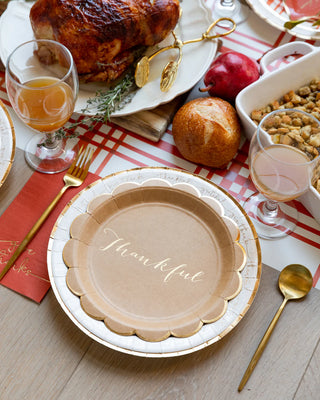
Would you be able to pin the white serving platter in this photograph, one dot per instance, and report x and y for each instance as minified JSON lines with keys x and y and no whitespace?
{"x":15,"y":28}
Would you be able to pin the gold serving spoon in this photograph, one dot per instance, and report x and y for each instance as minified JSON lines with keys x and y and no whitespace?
{"x":170,"y":71}
{"x":295,"y":282}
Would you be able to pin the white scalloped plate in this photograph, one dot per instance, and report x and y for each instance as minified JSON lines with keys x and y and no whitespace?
{"x":7,"y":143}
{"x":172,"y":346}
{"x":15,"y":29}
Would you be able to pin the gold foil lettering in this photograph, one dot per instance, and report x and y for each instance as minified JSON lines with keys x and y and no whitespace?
{"x":119,"y":245}
{"x":110,"y":245}
{"x":23,"y":264}
{"x":23,"y":267}
{"x":197,"y":275}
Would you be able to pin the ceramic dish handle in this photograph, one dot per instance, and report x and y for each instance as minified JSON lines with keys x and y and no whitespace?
{"x":285,"y":50}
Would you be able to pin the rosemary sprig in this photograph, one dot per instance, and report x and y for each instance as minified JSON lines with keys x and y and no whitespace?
{"x":114,"y":99}
{"x":104,"y":104}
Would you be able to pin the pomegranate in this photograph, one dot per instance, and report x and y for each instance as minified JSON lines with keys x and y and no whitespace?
{"x":229,"y":73}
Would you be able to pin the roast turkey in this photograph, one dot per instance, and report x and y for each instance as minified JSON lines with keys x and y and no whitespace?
{"x":104,"y":35}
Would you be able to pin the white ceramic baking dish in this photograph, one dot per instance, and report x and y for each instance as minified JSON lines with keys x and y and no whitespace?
{"x":273,"y":85}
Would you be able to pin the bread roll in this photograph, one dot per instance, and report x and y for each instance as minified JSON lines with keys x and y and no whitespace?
{"x":207,"y":131}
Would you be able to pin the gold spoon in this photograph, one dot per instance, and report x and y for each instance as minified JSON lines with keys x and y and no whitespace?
{"x":295,"y":282}
{"x":142,"y":68}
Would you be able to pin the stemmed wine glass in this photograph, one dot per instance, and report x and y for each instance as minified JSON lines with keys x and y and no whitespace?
{"x":281,"y":166}
{"x":42,"y":85}
{"x":233,"y":9}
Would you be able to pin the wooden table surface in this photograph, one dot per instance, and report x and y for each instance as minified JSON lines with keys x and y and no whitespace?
{"x":45,"y":356}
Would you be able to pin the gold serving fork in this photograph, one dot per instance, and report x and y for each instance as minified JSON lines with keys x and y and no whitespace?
{"x":74,"y":177}
{"x":170,"y":71}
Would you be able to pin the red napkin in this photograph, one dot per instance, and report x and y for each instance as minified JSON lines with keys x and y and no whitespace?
{"x":29,"y":275}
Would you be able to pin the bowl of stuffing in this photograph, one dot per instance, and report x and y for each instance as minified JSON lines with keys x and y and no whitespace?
{"x":294,"y":85}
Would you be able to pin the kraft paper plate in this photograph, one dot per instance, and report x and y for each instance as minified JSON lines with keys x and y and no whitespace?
{"x":154,"y":260}
{"x":209,"y":332}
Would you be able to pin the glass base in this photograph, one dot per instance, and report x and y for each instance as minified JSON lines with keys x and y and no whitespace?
{"x":277,"y":224}
{"x":50,"y":160}
{"x":235,"y":10}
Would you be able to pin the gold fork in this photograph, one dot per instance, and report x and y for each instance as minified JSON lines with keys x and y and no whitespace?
{"x":74,"y":177}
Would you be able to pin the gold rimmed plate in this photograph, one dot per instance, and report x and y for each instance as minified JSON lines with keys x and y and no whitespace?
{"x":154,"y":260}
{"x":7,"y":143}
{"x":210,"y":331}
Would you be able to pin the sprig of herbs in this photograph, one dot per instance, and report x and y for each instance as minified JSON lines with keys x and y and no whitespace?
{"x":114,"y":99}
{"x":104,"y":104}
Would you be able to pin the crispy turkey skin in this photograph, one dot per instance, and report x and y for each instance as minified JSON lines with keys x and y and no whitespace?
{"x":103,"y":35}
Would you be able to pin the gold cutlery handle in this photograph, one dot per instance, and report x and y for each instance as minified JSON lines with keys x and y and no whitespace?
{"x":255,"y":358}
{"x":32,"y":232}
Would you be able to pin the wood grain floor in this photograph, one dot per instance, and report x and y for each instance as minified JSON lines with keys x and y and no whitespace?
{"x":43,"y":355}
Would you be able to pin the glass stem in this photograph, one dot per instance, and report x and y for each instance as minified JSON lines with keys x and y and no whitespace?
{"x":226,"y":3}
{"x":227,"y":6}
{"x":270,"y":208}
{"x":50,"y":141}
